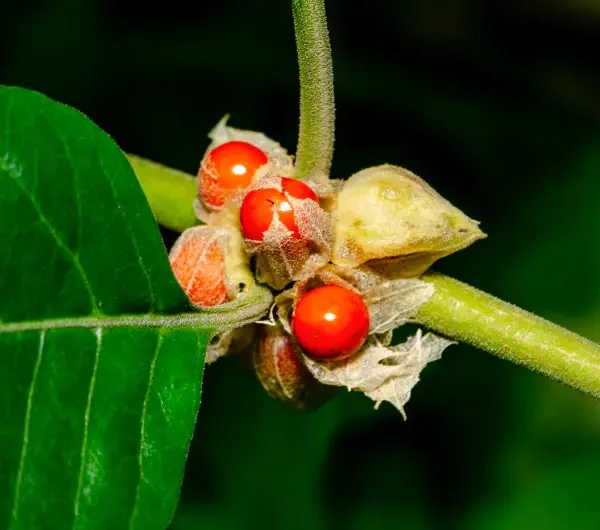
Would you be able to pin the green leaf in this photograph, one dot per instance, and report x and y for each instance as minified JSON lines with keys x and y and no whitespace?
{"x":100,"y":368}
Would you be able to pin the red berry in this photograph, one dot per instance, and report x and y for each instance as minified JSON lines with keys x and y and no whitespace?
{"x":330,"y":323}
{"x":228,"y":167}
{"x":298,"y":189}
{"x":256,"y":213}
{"x":198,"y":264}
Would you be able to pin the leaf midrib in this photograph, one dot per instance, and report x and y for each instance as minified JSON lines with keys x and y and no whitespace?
{"x":245,"y":310}
{"x":183,"y":320}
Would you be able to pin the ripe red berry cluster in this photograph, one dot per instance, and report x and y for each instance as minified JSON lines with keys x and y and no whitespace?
{"x":329,"y":322}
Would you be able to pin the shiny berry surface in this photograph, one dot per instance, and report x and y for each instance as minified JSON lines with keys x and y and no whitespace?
{"x":199,"y":266}
{"x":228,"y":167}
{"x":258,"y":207}
{"x":330,"y":323}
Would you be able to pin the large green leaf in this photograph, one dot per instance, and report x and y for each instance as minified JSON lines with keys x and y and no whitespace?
{"x":100,"y":357}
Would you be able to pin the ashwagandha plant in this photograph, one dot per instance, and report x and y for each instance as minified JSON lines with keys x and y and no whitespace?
{"x":104,"y":338}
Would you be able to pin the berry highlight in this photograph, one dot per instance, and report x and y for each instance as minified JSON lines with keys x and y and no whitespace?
{"x":227,"y":168}
{"x":259,"y":207}
{"x":330,"y":323}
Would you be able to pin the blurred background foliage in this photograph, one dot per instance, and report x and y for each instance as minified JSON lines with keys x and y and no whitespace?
{"x":496,"y":103}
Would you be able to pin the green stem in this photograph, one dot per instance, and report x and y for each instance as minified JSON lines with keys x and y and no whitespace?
{"x":170,"y":192}
{"x":464,"y":313}
{"x":317,"y":108}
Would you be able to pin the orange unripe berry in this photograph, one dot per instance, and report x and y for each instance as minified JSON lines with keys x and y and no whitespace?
{"x":228,"y":167}
{"x":330,"y":323}
{"x":259,"y":206}
{"x":198,"y":264}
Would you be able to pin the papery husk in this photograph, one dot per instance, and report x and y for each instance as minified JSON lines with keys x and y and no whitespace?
{"x":383,"y":373}
{"x":198,"y":262}
{"x":390,"y":302}
{"x":224,"y":229}
{"x":279,"y":368}
{"x":230,"y":342}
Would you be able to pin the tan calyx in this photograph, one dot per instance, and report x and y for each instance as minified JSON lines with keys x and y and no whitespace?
{"x":392,"y":220}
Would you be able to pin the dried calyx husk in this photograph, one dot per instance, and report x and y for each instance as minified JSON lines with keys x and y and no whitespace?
{"x":383,"y":373}
{"x":231,"y":342}
{"x":198,"y":262}
{"x":391,"y":302}
{"x":375,"y":234}
{"x":379,"y":370}
{"x":279,"y":368}
{"x":239,"y":280}
{"x":235,"y":275}
{"x":222,"y":279}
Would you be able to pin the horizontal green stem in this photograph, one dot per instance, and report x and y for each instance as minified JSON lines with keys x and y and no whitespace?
{"x":245,"y":309}
{"x":170,"y":192}
{"x":317,"y":107}
{"x":464,"y":313}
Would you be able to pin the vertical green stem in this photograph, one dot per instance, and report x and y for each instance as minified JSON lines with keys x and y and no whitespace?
{"x":317,"y":108}
{"x":464,"y":313}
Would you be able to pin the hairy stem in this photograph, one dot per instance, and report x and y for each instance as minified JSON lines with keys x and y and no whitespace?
{"x":245,"y":309}
{"x":464,"y":313}
{"x":317,"y":108}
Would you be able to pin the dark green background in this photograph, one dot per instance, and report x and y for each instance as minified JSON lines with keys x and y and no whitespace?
{"x":497,"y":105}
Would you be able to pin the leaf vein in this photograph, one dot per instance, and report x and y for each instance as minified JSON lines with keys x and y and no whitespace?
{"x":143,"y":426}
{"x":132,"y":236}
{"x":59,"y":241}
{"x":19,"y":482}
{"x":86,"y":423}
